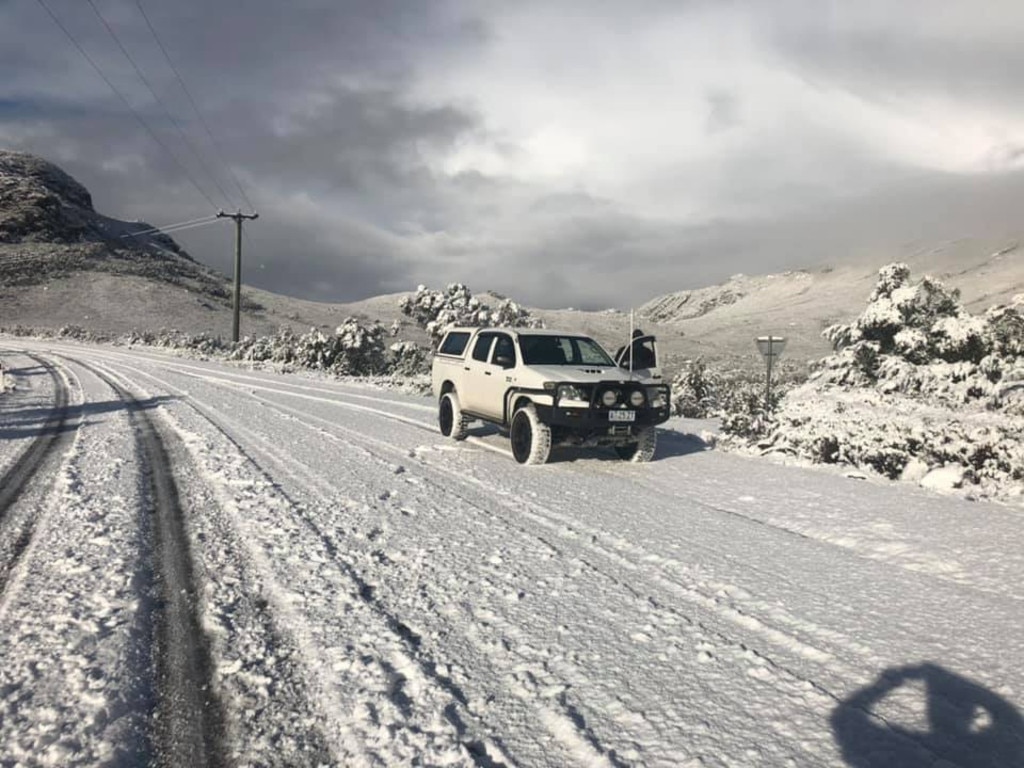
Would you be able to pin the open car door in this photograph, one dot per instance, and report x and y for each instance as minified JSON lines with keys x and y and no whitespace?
{"x":644,"y":350}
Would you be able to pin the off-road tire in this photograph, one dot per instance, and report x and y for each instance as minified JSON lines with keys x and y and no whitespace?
{"x":450,"y":417}
{"x":530,"y":437}
{"x":642,"y":450}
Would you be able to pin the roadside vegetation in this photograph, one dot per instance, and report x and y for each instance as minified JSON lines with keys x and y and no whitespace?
{"x":917,"y":388}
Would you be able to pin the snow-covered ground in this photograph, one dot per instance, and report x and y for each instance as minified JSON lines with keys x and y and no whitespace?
{"x":358,"y":591}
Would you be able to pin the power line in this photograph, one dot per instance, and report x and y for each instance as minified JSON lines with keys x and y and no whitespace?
{"x":170,"y":227}
{"x":167,"y":113}
{"x":127,"y":103}
{"x":195,"y":107}
{"x":169,"y":230}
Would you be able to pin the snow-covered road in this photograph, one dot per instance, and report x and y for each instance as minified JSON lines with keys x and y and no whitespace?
{"x":201,"y":564}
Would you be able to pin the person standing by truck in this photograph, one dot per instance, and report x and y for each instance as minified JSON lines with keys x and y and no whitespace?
{"x":638,"y":354}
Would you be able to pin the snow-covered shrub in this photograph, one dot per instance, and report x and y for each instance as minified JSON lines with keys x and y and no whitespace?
{"x":456,"y":305}
{"x":279,"y":348}
{"x":1005,"y":328}
{"x":352,"y":350}
{"x":408,"y":359}
{"x":735,"y":395}
{"x":918,"y":339}
{"x":19,"y":330}
{"x":76,"y":332}
{"x":960,"y":338}
{"x":695,"y":391}
{"x":201,"y":344}
{"x":917,"y":385}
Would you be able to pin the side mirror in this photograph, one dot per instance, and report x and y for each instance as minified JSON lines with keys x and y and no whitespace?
{"x":504,"y":361}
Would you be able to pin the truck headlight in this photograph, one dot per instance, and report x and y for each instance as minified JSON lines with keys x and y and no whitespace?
{"x":636,"y":398}
{"x":609,"y":397}
{"x":573,"y":395}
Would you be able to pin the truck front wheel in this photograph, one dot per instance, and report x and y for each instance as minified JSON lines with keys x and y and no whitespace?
{"x":642,"y":450}
{"x":531,"y":438}
{"x":450,"y":418}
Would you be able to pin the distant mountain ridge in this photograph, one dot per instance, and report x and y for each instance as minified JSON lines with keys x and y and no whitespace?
{"x":799,"y":304}
{"x":62,"y":263}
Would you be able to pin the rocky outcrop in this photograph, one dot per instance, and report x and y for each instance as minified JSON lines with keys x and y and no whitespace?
{"x":39,"y":203}
{"x":49,"y":229}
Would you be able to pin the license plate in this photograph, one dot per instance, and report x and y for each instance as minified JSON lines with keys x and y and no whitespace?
{"x":621,"y":415}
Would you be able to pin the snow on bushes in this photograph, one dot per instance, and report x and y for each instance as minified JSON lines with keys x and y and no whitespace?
{"x":202,"y":344}
{"x":279,"y":348}
{"x":918,"y":389}
{"x":918,"y":340}
{"x":736,"y":395}
{"x":456,"y":305}
{"x":352,"y":350}
{"x":409,"y":359}
{"x":695,"y":391}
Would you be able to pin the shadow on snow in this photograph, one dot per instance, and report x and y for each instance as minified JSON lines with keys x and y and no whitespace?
{"x":670,"y":444}
{"x":34,"y":422}
{"x":963,"y":724}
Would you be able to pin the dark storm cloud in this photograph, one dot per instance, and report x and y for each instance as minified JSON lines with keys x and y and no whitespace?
{"x":600,"y":257}
{"x":351,"y":140}
{"x":391,"y":142}
{"x":305,"y":99}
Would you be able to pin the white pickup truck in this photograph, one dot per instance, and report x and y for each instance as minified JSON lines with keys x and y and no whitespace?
{"x":548,"y":388}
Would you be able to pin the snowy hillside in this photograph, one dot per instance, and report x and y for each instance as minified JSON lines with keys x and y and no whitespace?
{"x":721,"y":320}
{"x":206,"y":565}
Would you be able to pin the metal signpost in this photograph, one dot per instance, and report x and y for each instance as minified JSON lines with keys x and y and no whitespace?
{"x":770,"y":348}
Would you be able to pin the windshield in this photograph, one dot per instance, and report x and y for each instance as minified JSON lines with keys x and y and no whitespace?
{"x":562,"y":350}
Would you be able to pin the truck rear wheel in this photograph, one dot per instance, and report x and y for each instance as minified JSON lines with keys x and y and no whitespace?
{"x":642,"y":450}
{"x":450,"y":418}
{"x":531,"y":438}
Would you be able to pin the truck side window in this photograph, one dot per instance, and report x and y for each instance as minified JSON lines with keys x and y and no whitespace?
{"x":505,"y":347}
{"x":454,"y":343}
{"x":482,"y":346}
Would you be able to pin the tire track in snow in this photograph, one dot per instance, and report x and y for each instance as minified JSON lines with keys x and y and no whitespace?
{"x":575,"y":731}
{"x":763,"y":667}
{"x":269,"y":718}
{"x":570,"y":726}
{"x":716,"y":606}
{"x":403,"y":667}
{"x":567,"y":528}
{"x":53,"y":437}
{"x":17,"y":477}
{"x":188,"y":721}
{"x":575,"y":721}
{"x":612,"y":544}
{"x":248,"y":379}
{"x":720,"y":615}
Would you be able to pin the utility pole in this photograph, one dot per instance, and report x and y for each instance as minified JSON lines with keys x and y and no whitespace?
{"x":238,"y":217}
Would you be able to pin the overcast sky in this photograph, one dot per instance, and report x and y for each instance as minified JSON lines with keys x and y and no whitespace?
{"x":581,"y":153}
